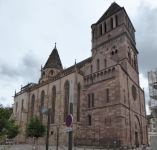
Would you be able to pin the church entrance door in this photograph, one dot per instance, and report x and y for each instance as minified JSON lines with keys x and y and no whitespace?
{"x":136,"y":139}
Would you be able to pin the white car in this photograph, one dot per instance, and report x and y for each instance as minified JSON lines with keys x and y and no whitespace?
{"x":10,"y":142}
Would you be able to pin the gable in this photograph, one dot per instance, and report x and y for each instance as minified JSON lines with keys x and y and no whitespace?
{"x":101,"y":59}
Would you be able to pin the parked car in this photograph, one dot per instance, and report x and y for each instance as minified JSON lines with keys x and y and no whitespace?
{"x":9,"y":142}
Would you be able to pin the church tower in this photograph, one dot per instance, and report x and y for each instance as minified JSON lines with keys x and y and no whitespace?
{"x":52,"y":67}
{"x":114,"y":35}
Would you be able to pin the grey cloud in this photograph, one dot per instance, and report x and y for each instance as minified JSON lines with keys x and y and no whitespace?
{"x":27,"y":68}
{"x":3,"y":98}
{"x":146,"y":36}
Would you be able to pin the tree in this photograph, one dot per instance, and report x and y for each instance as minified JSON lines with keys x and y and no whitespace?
{"x":35,"y":128}
{"x":7,"y":126}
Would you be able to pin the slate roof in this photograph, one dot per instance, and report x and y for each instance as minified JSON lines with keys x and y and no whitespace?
{"x":80,"y":64}
{"x":110,"y":11}
{"x":53,"y":60}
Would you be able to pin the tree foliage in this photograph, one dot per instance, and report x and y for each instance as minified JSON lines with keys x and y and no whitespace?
{"x":7,"y":126}
{"x":35,"y":128}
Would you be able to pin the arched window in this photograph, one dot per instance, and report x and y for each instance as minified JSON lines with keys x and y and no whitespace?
{"x":105,"y":63}
{"x":116,"y":17}
{"x":51,"y":72}
{"x":112,"y":53}
{"x":116,"y":55}
{"x":107,"y":92}
{"x":98,"y":64}
{"x":66,"y":107}
{"x":135,"y":64}
{"x":105,"y":27}
{"x":113,"y":72}
{"x":88,"y":100}
{"x":129,"y":57}
{"x":53,"y":104}
{"x":111,"y":23}
{"x":89,"y":120}
{"x":78,"y":102}
{"x":32,"y":105}
{"x":91,"y":69}
{"x":42,"y":103}
{"x":92,"y":99}
{"x":100,"y":29}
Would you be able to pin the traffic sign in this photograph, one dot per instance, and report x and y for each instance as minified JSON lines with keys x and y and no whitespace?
{"x":69,"y":120}
{"x":69,"y":129}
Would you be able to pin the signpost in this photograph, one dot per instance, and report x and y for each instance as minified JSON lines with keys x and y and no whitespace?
{"x":46,"y":112}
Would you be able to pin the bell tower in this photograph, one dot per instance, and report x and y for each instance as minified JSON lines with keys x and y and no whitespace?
{"x":114,"y":36}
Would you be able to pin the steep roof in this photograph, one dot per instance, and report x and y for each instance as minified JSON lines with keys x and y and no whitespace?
{"x":53,"y":60}
{"x":80,"y":64}
{"x":110,"y":11}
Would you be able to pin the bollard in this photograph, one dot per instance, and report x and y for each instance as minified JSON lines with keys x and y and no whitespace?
{"x":34,"y":148}
{"x":84,"y":147}
{"x":93,"y":147}
{"x":122,"y":147}
{"x":50,"y":148}
{"x":100,"y":147}
{"x":127,"y":147}
{"x":114,"y":146}
{"x":63,"y":148}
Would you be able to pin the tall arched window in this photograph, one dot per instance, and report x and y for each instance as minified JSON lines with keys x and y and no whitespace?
{"x":42,"y":103}
{"x":107,"y":92}
{"x":92,"y":99}
{"x":98,"y":64}
{"x":100,"y":29}
{"x":88,"y":100}
{"x":91,"y":68}
{"x":111,"y":23}
{"x":78,"y":102}
{"x":105,"y":27}
{"x":32,"y":105}
{"x":53,"y":104}
{"x":116,"y":17}
{"x":116,"y":55}
{"x":105,"y":63}
{"x":90,"y":120}
{"x":66,"y":107}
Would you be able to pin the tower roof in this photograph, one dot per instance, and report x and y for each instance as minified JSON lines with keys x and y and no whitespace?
{"x":53,"y":60}
{"x":110,"y":11}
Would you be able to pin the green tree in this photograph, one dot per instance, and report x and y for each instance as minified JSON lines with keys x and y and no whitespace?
{"x":35,"y":129}
{"x":7,"y":126}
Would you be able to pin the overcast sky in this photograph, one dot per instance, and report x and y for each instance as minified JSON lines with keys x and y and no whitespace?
{"x":30,"y":28}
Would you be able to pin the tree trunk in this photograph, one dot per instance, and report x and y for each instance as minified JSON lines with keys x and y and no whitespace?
{"x":36,"y":144}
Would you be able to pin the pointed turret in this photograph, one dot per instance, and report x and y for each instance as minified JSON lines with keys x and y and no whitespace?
{"x":53,"y":60}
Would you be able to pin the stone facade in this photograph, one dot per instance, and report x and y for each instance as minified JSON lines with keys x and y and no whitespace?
{"x":109,"y":104}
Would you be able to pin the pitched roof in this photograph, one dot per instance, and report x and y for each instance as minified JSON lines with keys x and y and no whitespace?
{"x":110,"y":11}
{"x":80,"y":64}
{"x":53,"y":60}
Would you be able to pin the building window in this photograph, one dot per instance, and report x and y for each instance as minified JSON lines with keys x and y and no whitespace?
{"x":51,"y":132}
{"x":153,"y":119}
{"x":116,"y":20}
{"x":100,"y":29}
{"x":109,"y":37}
{"x":91,"y":69}
{"x":105,"y":63}
{"x":53,"y":104}
{"x":98,"y":64}
{"x":32,"y":106}
{"x":88,"y":100}
{"x":42,"y":103}
{"x":107,"y":91}
{"x":89,"y":120}
{"x":105,"y":27}
{"x":111,"y":23}
{"x":92,"y":99}
{"x":153,"y":125}
{"x":66,"y":99}
{"x":78,"y":103}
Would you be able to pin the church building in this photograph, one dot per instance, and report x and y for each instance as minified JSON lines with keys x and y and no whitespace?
{"x":109,"y":105}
